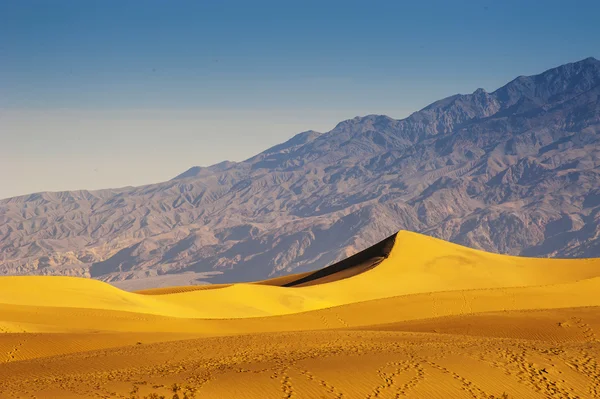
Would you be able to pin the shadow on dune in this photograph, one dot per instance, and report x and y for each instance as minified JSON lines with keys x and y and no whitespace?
{"x":356,"y":264}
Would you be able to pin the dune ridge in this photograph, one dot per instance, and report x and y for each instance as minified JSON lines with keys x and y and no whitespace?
{"x":416,"y":264}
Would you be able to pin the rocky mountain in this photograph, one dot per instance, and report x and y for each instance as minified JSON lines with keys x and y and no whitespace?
{"x":515,"y":171}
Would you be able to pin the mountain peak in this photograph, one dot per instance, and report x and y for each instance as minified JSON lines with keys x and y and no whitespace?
{"x":297,"y":141}
{"x":362,"y":120}
{"x":195,"y":171}
{"x":589,"y":60}
{"x":564,"y":81}
{"x":191,"y":172}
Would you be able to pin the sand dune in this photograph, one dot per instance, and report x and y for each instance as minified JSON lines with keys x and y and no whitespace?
{"x":412,"y":316}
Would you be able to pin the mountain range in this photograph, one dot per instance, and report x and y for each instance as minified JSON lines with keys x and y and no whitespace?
{"x":515,"y":171}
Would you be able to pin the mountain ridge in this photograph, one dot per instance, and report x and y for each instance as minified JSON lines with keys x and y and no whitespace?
{"x":512,"y":171}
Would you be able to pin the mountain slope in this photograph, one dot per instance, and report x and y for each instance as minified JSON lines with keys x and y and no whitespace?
{"x":514,"y":171}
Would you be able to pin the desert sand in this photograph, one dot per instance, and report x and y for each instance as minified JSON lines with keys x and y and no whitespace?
{"x":412,"y":317}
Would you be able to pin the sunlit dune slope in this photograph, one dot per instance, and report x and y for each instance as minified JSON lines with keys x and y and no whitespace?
{"x":18,"y":318}
{"x":416,"y":264}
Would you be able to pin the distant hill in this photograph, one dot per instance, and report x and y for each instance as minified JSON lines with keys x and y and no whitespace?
{"x":515,"y":171}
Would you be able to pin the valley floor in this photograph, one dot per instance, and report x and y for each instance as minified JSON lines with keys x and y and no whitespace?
{"x":522,"y":354}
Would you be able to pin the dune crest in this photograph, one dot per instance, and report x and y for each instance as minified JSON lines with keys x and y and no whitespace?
{"x":415,"y":264}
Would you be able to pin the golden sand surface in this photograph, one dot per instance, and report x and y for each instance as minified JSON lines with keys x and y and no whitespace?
{"x":428,"y":319}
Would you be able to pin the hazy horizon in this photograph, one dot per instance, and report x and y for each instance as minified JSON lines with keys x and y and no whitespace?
{"x":116,"y":94}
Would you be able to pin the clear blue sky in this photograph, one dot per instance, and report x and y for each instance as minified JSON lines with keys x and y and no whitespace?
{"x":108,"y":93}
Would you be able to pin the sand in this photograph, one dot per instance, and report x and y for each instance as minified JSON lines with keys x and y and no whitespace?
{"x":414,"y":317}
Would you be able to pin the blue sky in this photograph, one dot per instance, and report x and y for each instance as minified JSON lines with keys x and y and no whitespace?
{"x":92,"y":92}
